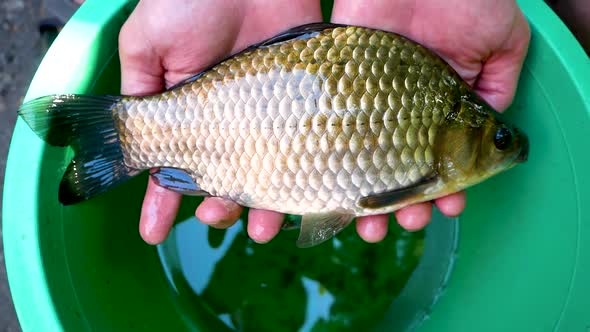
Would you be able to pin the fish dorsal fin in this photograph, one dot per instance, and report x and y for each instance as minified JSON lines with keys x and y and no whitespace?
{"x":178,"y":180}
{"x":298,"y":32}
{"x":319,"y":227}
{"x":388,"y":198}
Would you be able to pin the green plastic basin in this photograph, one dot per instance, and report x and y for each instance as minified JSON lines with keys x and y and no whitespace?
{"x":518,"y":259}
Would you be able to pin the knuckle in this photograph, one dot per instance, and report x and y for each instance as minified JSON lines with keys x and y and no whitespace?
{"x":129,"y":47}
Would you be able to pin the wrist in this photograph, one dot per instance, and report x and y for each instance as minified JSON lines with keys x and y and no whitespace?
{"x":289,"y":12}
{"x":388,"y":15}
{"x":303,"y":5}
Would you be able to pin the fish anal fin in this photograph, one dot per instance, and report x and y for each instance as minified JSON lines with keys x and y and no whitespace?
{"x":178,"y":180}
{"x":319,"y":227}
{"x":388,"y":198}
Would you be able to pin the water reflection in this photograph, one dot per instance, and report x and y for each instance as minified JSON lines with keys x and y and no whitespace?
{"x":342,"y":284}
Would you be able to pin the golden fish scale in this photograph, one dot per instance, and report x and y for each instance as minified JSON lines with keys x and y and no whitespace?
{"x":309,"y":125}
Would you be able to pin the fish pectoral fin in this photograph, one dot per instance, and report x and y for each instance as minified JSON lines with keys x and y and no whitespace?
{"x":319,"y":227}
{"x":178,"y":180}
{"x":388,"y":198}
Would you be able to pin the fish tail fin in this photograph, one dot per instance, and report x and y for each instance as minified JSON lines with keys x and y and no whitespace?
{"x":86,"y":124}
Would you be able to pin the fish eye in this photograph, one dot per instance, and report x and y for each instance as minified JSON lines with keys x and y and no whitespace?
{"x":503,"y":138}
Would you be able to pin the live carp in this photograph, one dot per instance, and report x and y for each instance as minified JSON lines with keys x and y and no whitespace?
{"x":326,"y":121}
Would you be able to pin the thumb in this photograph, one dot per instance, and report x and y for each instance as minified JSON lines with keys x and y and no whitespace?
{"x":141,"y":70}
{"x":499,"y":75}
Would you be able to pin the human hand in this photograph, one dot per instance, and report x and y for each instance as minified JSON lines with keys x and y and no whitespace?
{"x":484,"y":41}
{"x":155,"y":55}
{"x":165,"y":41}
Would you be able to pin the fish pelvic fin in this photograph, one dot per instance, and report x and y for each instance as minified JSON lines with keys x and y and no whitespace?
{"x":317,"y":228}
{"x":85,"y":123}
{"x":178,"y":180}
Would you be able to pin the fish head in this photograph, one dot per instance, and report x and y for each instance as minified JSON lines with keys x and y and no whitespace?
{"x":476,"y":142}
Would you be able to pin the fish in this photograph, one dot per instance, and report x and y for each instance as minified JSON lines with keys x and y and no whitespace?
{"x":325,"y":121}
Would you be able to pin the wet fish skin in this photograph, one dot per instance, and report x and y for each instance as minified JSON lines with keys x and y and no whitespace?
{"x":310,"y":125}
{"x":325,"y":121}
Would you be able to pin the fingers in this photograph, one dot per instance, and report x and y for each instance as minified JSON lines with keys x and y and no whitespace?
{"x":451,"y":205}
{"x":418,"y":216}
{"x":499,"y":76}
{"x":157,"y":213}
{"x":372,"y":228}
{"x":414,"y":217}
{"x":263,"y":225}
{"x":218,"y":212}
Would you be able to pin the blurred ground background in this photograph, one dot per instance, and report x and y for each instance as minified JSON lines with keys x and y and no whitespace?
{"x":22,"y":44}
{"x":19,"y":54}
{"x":21,"y":48}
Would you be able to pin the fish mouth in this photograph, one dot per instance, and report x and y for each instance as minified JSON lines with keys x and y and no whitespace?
{"x":523,"y":156}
